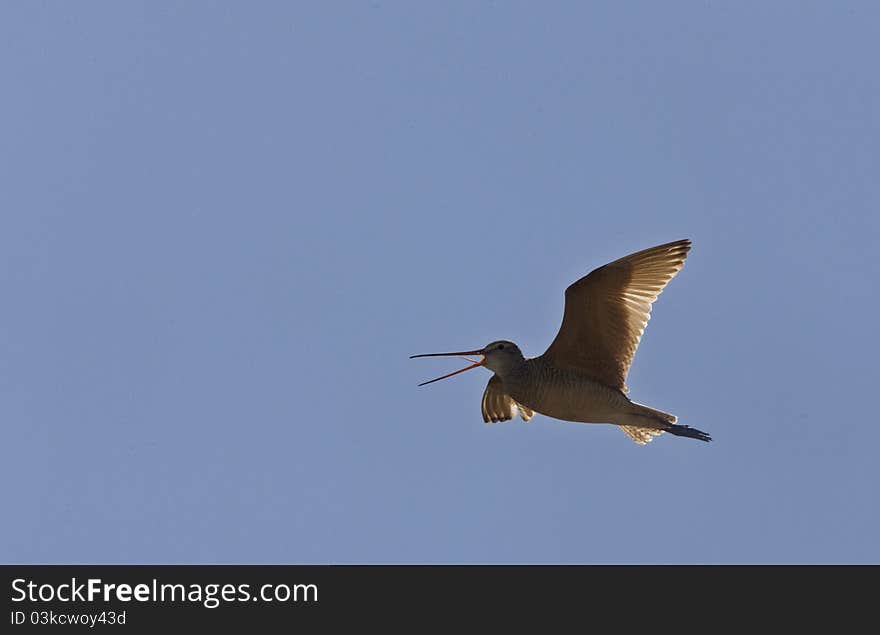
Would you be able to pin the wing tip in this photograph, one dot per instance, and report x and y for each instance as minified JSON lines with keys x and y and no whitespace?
{"x":683,"y":245}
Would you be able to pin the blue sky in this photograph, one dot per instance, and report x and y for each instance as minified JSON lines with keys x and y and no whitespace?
{"x":225,"y":226}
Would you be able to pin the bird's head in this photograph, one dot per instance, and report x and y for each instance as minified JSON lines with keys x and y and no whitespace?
{"x":500,"y":356}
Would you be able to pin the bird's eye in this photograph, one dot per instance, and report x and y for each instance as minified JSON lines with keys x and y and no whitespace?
{"x":501,"y":347}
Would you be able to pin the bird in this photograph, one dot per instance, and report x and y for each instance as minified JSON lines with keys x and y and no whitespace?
{"x":581,"y":377}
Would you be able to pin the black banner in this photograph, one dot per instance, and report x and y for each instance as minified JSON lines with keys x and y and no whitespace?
{"x":154,"y":597}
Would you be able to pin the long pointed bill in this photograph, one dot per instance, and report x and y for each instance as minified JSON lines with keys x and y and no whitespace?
{"x":460,"y":354}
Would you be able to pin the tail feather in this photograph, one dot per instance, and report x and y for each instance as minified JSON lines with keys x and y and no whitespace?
{"x":645,"y":423}
{"x":646,"y":411}
{"x":641,"y":435}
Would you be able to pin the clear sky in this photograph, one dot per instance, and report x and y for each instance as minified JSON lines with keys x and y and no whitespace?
{"x":224,"y":227}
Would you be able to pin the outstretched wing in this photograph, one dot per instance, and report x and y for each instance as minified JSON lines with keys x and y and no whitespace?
{"x":607,"y":310}
{"x":498,"y":406}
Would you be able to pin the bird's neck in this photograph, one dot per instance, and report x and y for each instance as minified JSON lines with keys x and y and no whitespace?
{"x":516,"y":374}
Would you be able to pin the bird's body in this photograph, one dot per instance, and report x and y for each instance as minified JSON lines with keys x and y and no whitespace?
{"x":581,"y":375}
{"x":536,"y":385}
{"x":561,"y":394}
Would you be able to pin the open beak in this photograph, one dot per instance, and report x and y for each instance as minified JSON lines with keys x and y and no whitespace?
{"x":460,"y":354}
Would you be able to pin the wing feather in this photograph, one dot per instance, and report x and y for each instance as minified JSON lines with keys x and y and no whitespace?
{"x":607,"y":310}
{"x":498,"y":406}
